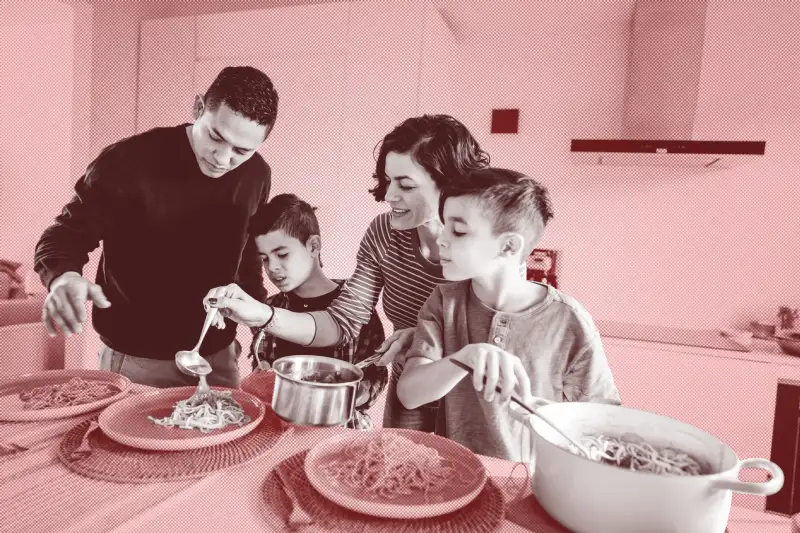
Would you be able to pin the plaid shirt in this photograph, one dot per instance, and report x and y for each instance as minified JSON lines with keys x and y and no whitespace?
{"x":369,"y":340}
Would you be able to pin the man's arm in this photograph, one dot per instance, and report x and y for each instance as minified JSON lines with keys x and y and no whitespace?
{"x":250,"y":274}
{"x":78,"y":230}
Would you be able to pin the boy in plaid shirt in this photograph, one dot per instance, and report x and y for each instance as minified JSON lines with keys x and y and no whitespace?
{"x":288,"y":239}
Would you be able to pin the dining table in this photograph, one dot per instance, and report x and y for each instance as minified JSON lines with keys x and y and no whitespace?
{"x":38,"y":493}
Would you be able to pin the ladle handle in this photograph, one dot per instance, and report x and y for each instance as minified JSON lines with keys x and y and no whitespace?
{"x":212,"y":313}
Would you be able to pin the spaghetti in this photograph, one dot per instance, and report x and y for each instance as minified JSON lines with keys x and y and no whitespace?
{"x":632,"y":452}
{"x":390,"y":466}
{"x":217,"y":412}
{"x":76,"y":391}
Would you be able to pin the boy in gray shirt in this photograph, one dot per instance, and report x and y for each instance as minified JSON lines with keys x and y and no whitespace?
{"x":526,"y":337}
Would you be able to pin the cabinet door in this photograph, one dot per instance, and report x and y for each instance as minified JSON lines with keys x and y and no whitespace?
{"x":36,"y":111}
{"x":320,"y":28}
{"x":785,"y":438}
{"x":303,"y":147}
{"x":729,"y":398}
{"x":436,"y":86}
{"x":166,"y":72}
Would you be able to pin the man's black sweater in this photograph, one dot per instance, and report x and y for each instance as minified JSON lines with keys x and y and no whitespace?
{"x":169,"y":234}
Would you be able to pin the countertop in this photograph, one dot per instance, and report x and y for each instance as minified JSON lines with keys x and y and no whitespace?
{"x":701,"y":338}
{"x":703,"y":342}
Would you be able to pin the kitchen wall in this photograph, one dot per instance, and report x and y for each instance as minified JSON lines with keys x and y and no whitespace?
{"x":652,"y":245}
{"x":45,"y":140}
{"x":37,"y":97}
{"x":682,"y":248}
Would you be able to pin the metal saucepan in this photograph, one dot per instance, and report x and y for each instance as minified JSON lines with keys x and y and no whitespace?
{"x":314,"y":403}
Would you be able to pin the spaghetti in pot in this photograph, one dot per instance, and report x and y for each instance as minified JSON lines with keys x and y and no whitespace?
{"x":218,"y":411}
{"x":76,"y":391}
{"x":632,"y":452}
{"x":390,"y":466}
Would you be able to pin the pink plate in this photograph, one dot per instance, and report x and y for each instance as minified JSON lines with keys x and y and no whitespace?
{"x":126,"y":422}
{"x":260,"y":383}
{"x":457,"y":494}
{"x":11,"y":407}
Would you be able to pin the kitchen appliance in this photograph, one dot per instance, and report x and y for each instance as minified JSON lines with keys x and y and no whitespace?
{"x":542,"y":266}
{"x":661,"y":96}
{"x":789,"y":343}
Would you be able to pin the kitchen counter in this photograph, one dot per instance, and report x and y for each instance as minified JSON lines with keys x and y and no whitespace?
{"x":702,"y":342}
{"x":730,"y":394}
{"x":701,"y":338}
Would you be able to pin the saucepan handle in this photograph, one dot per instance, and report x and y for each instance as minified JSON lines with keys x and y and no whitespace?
{"x":768,"y":488}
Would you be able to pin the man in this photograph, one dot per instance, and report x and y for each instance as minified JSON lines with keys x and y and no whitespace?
{"x":172,"y":207}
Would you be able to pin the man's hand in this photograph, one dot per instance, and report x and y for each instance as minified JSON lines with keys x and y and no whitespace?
{"x":500,"y":368}
{"x":234,"y":303}
{"x":66,"y":303}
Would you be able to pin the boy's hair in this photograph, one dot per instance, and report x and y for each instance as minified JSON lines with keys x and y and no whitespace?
{"x":248,"y":92}
{"x":440,"y":144}
{"x":289,"y":213}
{"x":512,"y":201}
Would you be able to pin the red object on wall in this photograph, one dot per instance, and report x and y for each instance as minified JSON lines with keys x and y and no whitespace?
{"x":542,"y":266}
{"x":505,"y":120}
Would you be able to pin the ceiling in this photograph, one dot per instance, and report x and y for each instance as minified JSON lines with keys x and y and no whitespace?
{"x":516,"y":19}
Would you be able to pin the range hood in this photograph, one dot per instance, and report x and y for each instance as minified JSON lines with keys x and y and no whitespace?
{"x":661,"y":95}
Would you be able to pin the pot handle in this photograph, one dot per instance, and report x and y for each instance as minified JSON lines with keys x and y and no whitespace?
{"x":767,"y":488}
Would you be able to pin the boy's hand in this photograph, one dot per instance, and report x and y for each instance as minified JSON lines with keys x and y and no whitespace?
{"x":234,"y":303}
{"x":500,"y":368}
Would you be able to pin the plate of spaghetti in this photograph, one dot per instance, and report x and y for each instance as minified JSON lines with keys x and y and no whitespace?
{"x":395,"y":473}
{"x":169,"y":419}
{"x":54,"y":394}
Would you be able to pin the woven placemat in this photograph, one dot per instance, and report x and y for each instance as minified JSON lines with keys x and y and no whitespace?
{"x":111,"y":461}
{"x":260,"y":383}
{"x":483,"y":515}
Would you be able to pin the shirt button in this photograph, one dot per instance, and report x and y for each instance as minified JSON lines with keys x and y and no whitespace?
{"x":498,"y":339}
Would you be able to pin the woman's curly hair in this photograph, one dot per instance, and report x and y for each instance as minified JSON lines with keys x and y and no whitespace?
{"x":440,"y":144}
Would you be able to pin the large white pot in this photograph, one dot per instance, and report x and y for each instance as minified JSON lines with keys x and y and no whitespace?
{"x":590,"y":497}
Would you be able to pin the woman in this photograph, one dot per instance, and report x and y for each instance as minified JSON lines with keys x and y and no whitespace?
{"x":398,"y":256}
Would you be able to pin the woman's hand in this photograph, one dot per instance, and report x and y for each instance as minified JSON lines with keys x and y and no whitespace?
{"x":500,"y":368}
{"x":397,"y":343}
{"x":237,"y":305}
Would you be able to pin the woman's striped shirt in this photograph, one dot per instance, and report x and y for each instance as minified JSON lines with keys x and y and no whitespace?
{"x":388,"y":260}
